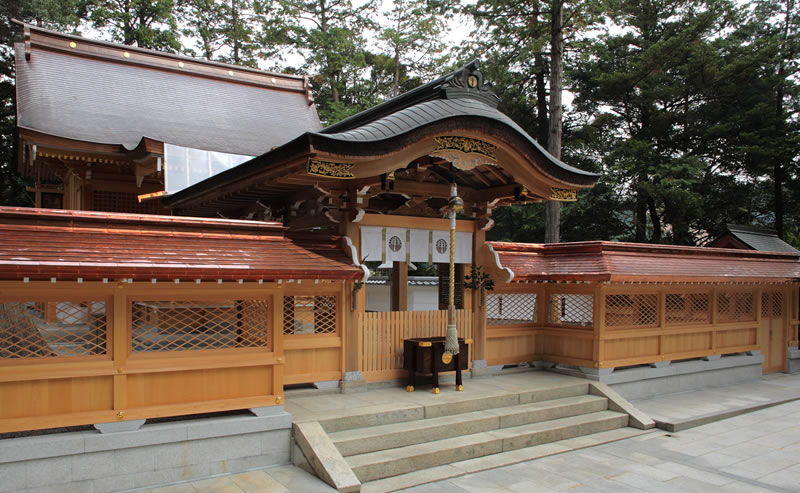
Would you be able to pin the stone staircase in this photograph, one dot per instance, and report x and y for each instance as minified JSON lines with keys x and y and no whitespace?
{"x":390,"y":449}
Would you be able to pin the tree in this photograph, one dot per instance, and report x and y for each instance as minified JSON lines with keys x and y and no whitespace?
{"x":143,"y":23}
{"x":413,"y":37}
{"x":329,"y":34}
{"x":650,"y":86}
{"x":517,"y":35}
{"x":205,"y":23}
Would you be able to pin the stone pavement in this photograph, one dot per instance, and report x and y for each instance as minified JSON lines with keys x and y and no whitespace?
{"x":682,"y":411}
{"x":753,"y":452}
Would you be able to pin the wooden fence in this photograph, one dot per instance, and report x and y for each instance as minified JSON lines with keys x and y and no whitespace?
{"x":383,"y":334}
{"x":83,"y":353}
{"x":615,"y":325}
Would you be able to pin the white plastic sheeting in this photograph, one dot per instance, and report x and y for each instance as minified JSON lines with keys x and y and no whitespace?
{"x":184,"y":166}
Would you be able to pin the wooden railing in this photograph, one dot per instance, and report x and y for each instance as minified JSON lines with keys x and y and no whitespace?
{"x":383,"y":334}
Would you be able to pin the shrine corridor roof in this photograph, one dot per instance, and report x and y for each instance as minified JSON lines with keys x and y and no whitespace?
{"x":44,"y":243}
{"x":620,"y":262}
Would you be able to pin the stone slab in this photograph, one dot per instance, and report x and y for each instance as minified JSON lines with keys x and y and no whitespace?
{"x":636,"y":418}
{"x":324,"y":458}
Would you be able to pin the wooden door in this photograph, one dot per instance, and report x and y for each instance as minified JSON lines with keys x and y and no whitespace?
{"x":772,"y":333}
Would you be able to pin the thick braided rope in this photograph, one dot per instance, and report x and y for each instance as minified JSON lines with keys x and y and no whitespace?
{"x":451,"y":341}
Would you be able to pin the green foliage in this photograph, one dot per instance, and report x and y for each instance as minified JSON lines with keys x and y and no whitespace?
{"x":477,"y":279}
{"x":413,"y":38}
{"x":144,"y":23}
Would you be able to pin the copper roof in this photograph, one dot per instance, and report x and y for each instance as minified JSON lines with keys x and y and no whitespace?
{"x":104,"y":93}
{"x":611,"y":261}
{"x":46,"y":243}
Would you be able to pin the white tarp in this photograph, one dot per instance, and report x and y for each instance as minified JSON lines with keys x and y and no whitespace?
{"x":184,"y":166}
{"x":413,"y":245}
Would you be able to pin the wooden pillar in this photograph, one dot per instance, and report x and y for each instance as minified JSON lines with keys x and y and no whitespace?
{"x":352,"y":330}
{"x":119,"y":350}
{"x":480,"y":258}
{"x":399,"y":286}
{"x":599,"y":324}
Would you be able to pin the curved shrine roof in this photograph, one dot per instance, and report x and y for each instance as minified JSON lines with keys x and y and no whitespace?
{"x":621,"y":262}
{"x":46,"y":243}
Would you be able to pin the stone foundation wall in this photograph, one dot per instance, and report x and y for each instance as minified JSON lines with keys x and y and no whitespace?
{"x":644,"y":382}
{"x":156,"y":454}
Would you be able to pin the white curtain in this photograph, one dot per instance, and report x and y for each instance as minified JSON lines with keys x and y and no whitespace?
{"x":414,"y":245}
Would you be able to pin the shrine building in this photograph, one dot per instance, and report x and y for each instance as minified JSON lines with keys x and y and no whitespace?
{"x":200,"y":243}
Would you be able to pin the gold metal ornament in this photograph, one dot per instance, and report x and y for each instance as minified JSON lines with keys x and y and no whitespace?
{"x":409,"y":388}
{"x":459,"y":388}
{"x":456,"y":204}
{"x":329,"y":169}
{"x":435,"y":390}
{"x":467,"y":145}
{"x":465,"y":153}
{"x":447,"y":358}
{"x":563,"y":194}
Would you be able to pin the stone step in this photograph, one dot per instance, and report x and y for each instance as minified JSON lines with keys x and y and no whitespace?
{"x":386,"y":463}
{"x":448,"y":405}
{"x":471,"y":466}
{"x":375,"y":438}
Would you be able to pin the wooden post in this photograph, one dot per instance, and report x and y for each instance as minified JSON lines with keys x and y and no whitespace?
{"x":599,"y":324}
{"x":399,"y":286}
{"x":352,"y":332}
{"x":479,"y":304}
{"x":119,"y":350}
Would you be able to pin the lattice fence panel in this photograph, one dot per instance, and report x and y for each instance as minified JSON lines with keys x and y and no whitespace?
{"x":159,"y":326}
{"x":309,"y":315}
{"x":735,"y":306}
{"x":54,"y":328}
{"x":570,"y":309}
{"x":631,"y":310}
{"x":510,"y":308}
{"x":686,"y":308}
{"x":771,"y":304}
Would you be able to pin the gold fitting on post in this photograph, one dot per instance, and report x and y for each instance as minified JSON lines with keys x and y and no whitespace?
{"x":280,"y":359}
{"x":459,"y":388}
{"x":467,"y":341}
{"x":279,"y":399}
{"x":409,"y":388}
{"x":435,"y":390}
{"x":425,"y":344}
{"x":120,"y":415}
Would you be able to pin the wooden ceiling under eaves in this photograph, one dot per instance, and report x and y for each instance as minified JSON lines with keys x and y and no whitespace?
{"x":421,"y":189}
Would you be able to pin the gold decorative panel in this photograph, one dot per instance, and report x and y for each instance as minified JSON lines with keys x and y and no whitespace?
{"x":329,"y":169}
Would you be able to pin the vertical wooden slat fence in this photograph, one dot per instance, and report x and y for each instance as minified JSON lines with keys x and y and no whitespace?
{"x":383,"y":334}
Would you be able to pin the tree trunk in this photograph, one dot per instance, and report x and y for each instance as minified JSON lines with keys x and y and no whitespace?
{"x":541,"y":100}
{"x":235,"y":24}
{"x":553,"y":216}
{"x":655,"y":219}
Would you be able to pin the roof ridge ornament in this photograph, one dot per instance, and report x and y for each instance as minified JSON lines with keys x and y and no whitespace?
{"x":470,"y":83}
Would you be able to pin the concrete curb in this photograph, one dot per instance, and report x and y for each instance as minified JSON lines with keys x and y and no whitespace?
{"x":685,"y":424}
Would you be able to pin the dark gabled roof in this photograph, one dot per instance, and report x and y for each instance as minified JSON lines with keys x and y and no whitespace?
{"x":91,"y":91}
{"x":40,"y":244}
{"x":460,"y":100}
{"x":755,"y":238}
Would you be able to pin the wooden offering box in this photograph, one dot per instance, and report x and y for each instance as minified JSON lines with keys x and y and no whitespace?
{"x":424,"y":355}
